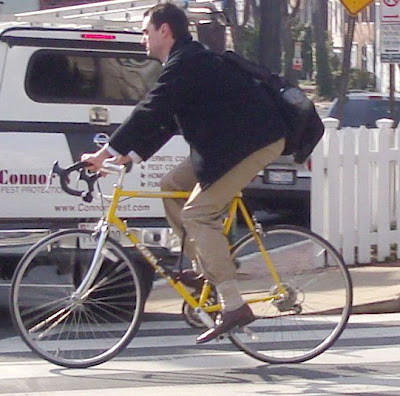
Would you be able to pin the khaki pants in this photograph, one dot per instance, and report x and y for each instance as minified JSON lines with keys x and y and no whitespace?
{"x":201,"y":215}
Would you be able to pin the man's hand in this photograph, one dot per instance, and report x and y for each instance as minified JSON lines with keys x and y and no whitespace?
{"x":96,"y":159}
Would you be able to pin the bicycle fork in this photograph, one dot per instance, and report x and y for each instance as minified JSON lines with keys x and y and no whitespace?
{"x":83,"y":290}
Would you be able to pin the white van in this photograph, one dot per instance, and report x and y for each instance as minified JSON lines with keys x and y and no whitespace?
{"x":62,"y":92}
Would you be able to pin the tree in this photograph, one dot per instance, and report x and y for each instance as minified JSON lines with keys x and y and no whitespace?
{"x":268,"y":31}
{"x":212,"y":35}
{"x":324,"y":74}
{"x":266,"y":25}
{"x":244,"y":33}
{"x":307,"y":53}
{"x":290,"y":34}
{"x":270,"y":41}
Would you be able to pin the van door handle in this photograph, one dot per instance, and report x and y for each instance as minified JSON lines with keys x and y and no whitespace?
{"x":99,"y":116}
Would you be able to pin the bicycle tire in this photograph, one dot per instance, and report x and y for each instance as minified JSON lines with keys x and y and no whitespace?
{"x":316,"y":304}
{"x":68,"y":332}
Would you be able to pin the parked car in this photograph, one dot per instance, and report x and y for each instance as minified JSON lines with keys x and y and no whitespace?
{"x":365,"y":108}
{"x":284,"y":186}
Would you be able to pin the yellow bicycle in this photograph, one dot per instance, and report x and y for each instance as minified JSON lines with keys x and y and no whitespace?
{"x":77,"y":296}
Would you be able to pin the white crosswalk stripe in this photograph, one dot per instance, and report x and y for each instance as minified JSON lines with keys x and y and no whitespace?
{"x":172,"y":353}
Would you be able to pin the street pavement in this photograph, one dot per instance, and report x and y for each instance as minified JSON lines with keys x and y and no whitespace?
{"x":164,"y":360}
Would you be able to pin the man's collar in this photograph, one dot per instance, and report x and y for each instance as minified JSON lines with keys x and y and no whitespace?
{"x":179,"y":44}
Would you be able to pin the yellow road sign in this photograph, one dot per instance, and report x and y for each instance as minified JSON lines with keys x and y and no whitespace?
{"x":355,"y":6}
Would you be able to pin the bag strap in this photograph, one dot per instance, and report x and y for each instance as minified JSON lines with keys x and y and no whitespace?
{"x":259,"y":72}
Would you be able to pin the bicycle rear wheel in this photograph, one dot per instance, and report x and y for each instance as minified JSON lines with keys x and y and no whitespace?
{"x":69,"y":330}
{"x":313,"y":310}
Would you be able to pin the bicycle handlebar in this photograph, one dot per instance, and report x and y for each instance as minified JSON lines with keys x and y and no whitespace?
{"x":80,"y":166}
{"x":109,"y":167}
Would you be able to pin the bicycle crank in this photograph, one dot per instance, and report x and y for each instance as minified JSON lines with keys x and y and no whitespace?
{"x":191,"y":317}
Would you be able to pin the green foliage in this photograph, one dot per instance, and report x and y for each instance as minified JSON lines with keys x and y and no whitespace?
{"x":248,"y":45}
{"x":335,"y":63}
{"x":358,"y":79}
{"x":324,"y":74}
{"x":361,"y":79}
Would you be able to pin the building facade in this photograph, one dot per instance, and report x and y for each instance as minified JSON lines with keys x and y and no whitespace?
{"x":366,"y":41}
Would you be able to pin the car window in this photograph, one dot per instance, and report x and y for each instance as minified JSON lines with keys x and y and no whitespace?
{"x":73,"y":77}
{"x":358,"y":112}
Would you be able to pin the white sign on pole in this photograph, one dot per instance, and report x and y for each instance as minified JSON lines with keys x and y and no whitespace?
{"x":390,"y":31}
{"x":390,"y":11}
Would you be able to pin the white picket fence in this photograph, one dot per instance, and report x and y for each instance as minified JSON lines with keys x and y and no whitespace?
{"x":355,"y":196}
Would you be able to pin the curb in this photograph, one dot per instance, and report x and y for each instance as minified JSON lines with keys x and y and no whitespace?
{"x":380,"y":307}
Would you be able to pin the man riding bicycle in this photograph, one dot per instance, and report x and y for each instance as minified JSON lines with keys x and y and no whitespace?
{"x":233,"y":129}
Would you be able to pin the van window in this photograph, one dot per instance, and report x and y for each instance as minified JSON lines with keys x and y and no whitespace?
{"x":72,"y":77}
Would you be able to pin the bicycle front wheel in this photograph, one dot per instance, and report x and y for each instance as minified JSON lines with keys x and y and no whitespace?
{"x":73,"y":330}
{"x":306,"y":315}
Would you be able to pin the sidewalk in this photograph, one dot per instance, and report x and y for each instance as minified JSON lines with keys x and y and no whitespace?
{"x":376,"y":290}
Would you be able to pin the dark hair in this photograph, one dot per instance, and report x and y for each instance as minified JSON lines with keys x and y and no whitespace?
{"x":174,"y":16}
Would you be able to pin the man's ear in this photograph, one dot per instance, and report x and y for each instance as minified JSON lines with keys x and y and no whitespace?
{"x":165,"y":30}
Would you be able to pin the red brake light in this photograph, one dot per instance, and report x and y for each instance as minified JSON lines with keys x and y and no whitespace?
{"x":94,"y":36}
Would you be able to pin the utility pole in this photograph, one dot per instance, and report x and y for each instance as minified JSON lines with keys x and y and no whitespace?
{"x":346,"y":66}
{"x":391,"y":91}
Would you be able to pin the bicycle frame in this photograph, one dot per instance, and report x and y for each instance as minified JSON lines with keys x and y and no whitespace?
{"x":199,"y":306}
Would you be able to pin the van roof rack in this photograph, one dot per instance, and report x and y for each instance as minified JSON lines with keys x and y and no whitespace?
{"x":112,"y":14}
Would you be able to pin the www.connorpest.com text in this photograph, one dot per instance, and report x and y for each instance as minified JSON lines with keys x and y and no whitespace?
{"x":82,"y":207}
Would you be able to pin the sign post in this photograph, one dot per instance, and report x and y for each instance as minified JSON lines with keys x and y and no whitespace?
{"x":390,"y":42}
{"x":297,"y":61}
{"x":390,"y":31}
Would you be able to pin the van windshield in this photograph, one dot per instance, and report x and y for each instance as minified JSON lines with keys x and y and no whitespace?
{"x":60,"y":76}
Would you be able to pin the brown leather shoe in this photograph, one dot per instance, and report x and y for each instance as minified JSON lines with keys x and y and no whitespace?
{"x":191,"y":278}
{"x":228,"y":321}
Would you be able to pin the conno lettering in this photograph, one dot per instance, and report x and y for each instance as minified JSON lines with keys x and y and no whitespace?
{"x":7,"y":177}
